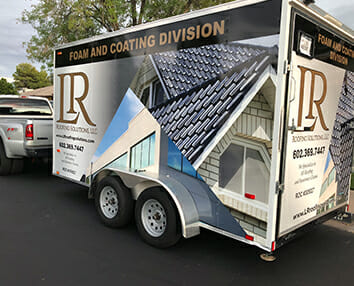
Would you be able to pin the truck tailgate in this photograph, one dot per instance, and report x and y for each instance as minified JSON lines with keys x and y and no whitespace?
{"x":42,"y":132}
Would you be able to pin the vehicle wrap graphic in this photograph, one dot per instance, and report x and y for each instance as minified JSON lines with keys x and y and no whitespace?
{"x":119,"y":102}
{"x":319,"y":142}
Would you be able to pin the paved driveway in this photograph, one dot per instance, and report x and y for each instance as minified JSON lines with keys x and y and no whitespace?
{"x":50,"y":235}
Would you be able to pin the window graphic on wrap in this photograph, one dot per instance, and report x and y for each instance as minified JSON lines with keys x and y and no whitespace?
{"x":159,"y":95}
{"x":121,"y":162}
{"x":145,"y":97}
{"x":142,"y":154}
{"x":243,"y":170}
{"x":328,"y":194}
{"x":178,"y":162}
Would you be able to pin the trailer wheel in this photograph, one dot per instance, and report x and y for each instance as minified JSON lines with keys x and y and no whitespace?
{"x":5,"y":163}
{"x":157,"y":219}
{"x":114,"y":203}
{"x":17,"y":166}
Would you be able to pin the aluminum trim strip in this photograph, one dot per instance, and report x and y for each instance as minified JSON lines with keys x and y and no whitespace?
{"x":233,"y":236}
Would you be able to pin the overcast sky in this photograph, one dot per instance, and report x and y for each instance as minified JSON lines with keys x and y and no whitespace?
{"x":13,"y":34}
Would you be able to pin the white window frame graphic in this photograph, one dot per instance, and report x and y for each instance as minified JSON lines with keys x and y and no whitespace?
{"x":266,"y":158}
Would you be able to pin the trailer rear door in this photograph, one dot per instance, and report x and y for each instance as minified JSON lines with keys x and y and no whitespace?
{"x":319,"y":145}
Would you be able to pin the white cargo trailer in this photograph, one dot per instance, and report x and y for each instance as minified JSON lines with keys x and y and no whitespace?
{"x":235,"y":118}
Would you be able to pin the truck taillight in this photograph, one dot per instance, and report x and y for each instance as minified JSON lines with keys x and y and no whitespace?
{"x":29,"y":132}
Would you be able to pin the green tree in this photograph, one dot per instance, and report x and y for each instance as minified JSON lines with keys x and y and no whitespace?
{"x":61,"y":21}
{"x":6,"y":87}
{"x":27,"y":76}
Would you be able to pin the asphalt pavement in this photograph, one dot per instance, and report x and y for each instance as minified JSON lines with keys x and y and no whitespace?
{"x":50,"y":235}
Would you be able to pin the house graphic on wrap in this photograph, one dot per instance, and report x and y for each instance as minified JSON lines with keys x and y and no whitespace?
{"x":216,"y":103}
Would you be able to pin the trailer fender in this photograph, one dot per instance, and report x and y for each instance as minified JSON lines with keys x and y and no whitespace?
{"x":139,"y":182}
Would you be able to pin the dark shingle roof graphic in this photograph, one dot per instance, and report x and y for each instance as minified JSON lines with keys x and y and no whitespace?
{"x":207,"y":84}
{"x":342,"y":140}
{"x":185,"y":69}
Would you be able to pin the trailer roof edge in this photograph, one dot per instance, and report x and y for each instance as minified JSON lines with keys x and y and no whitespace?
{"x":343,"y":30}
{"x":177,"y":18}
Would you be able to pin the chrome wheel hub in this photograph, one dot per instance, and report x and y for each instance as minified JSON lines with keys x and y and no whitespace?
{"x":109,"y":202}
{"x":153,"y":217}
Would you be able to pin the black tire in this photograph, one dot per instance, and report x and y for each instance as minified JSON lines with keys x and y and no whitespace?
{"x":123,"y":215}
{"x":48,"y":162}
{"x":5,"y":163}
{"x":172,"y":231}
{"x":17,"y":166}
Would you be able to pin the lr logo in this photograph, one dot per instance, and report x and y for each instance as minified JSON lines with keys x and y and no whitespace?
{"x":78,"y":99}
{"x":312,"y":102}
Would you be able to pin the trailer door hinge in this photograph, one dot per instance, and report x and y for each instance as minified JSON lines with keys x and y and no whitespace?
{"x":279,"y":188}
{"x":287,"y":67}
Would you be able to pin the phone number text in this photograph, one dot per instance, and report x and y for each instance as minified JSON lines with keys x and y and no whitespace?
{"x":308,"y":152}
{"x":71,"y":146}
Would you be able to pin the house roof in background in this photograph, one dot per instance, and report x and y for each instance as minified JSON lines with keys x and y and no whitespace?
{"x":44,"y":91}
{"x":206,"y":87}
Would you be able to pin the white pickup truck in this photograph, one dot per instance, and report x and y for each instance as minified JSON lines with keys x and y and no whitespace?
{"x":25,"y":131}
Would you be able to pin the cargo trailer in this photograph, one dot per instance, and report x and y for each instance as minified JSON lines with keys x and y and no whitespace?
{"x":236,"y":118}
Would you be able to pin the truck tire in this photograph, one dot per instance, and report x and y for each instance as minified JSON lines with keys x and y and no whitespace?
{"x":157,"y":219}
{"x":5,"y":163}
{"x":114,"y":203}
{"x":17,"y":166}
{"x":48,"y":162}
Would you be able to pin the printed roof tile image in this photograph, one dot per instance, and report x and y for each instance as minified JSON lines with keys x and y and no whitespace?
{"x":205,"y":85}
{"x":342,"y":140}
{"x":186,"y":69}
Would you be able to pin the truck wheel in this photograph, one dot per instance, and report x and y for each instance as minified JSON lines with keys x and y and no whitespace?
{"x":114,"y":202}
{"x":17,"y":166}
{"x":5,"y":163}
{"x":157,"y":219}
